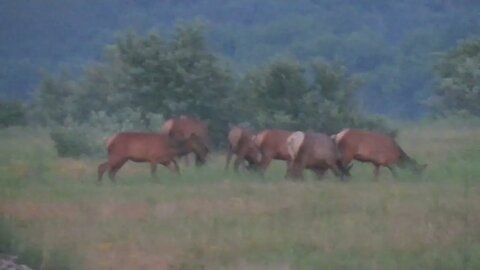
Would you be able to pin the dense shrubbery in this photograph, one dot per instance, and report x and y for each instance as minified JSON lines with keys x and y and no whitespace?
{"x":73,"y":139}
{"x":149,"y":76}
{"x":12,"y":113}
{"x":33,"y":255}
{"x":458,"y":89}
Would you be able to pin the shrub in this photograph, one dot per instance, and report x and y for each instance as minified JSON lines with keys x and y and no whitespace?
{"x":88,"y":138}
{"x":12,"y":113}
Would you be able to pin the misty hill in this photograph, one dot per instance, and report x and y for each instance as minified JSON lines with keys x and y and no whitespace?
{"x":392,"y":43}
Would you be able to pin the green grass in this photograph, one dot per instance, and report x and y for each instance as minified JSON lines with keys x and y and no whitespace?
{"x":211,"y":219}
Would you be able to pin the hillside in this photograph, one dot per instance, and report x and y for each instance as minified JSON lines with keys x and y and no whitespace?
{"x":393,"y":43}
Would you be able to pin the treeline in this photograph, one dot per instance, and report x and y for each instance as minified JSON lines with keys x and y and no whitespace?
{"x":144,"y":79}
{"x":391,"y":43}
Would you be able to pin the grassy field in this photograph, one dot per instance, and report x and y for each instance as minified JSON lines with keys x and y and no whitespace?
{"x":55,"y":215}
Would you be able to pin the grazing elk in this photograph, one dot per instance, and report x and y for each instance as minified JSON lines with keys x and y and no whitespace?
{"x":272,"y":144}
{"x":376,"y":148}
{"x":155,"y":148}
{"x":314,"y":151}
{"x":241,"y":144}
{"x":184,"y":126}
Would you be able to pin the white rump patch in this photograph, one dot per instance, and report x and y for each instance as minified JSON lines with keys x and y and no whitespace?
{"x":338,"y":137}
{"x":258,"y":138}
{"x":109,"y":140}
{"x":234,"y":137}
{"x":167,"y":126}
{"x":294,"y":142}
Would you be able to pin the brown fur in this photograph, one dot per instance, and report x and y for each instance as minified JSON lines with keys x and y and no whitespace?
{"x":373,"y":147}
{"x":314,"y":151}
{"x":184,"y":126}
{"x":272,"y":145}
{"x":149,"y":147}
{"x":241,"y":144}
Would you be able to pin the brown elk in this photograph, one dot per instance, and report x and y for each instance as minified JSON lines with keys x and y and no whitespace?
{"x":241,"y":144}
{"x":155,"y":148}
{"x":314,"y":151}
{"x":184,"y":126}
{"x":373,"y":147}
{"x":272,"y":145}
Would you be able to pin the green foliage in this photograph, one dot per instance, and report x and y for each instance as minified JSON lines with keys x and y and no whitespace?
{"x":12,"y":113}
{"x":152,"y":74}
{"x":32,"y":255}
{"x":53,"y":102}
{"x":458,"y":89}
{"x":73,"y":139}
{"x":142,"y":76}
{"x":7,"y":241}
{"x":320,"y":98}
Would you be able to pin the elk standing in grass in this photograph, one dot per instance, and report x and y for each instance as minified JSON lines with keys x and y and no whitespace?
{"x":314,"y":151}
{"x":376,"y":148}
{"x":272,"y":144}
{"x":155,"y":148}
{"x":241,"y":144}
{"x":182,"y":127}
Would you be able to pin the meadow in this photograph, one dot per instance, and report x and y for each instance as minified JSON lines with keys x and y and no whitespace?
{"x":55,"y":215}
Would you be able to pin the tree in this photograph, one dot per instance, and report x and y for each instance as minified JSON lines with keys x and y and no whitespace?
{"x":149,"y":74}
{"x":458,"y":85}
{"x":290,"y":96}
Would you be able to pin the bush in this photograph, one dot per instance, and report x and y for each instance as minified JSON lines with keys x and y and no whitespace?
{"x":12,"y":113}
{"x":458,"y":84}
{"x":33,"y":255}
{"x":88,"y":139}
{"x":319,"y":98}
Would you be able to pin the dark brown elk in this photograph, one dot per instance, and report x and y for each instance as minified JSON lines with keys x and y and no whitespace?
{"x":272,"y":145}
{"x":155,"y":148}
{"x":241,"y":144}
{"x":376,"y":148}
{"x":184,"y":126}
{"x":314,"y":151}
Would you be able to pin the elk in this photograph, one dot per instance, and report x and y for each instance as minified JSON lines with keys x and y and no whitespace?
{"x":314,"y":151}
{"x":272,"y":144}
{"x":241,"y":144}
{"x":184,"y":126}
{"x":155,"y":148}
{"x":376,"y":148}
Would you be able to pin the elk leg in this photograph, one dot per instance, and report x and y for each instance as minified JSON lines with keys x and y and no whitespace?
{"x":187,"y":160}
{"x":339,"y":170}
{"x":266,"y":160}
{"x":229,"y":157}
{"x":240,"y":158}
{"x":376,"y":170}
{"x":289,"y":172}
{"x":295,"y":169}
{"x":114,"y":168}
{"x":175,"y":168}
{"x":101,"y":170}
{"x":393,"y":171}
{"x":346,"y":159}
{"x":251,"y":166}
{"x":319,"y":173}
{"x":153,"y":169}
{"x":242,"y":152}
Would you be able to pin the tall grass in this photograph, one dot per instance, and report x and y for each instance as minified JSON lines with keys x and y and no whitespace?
{"x":211,"y":219}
